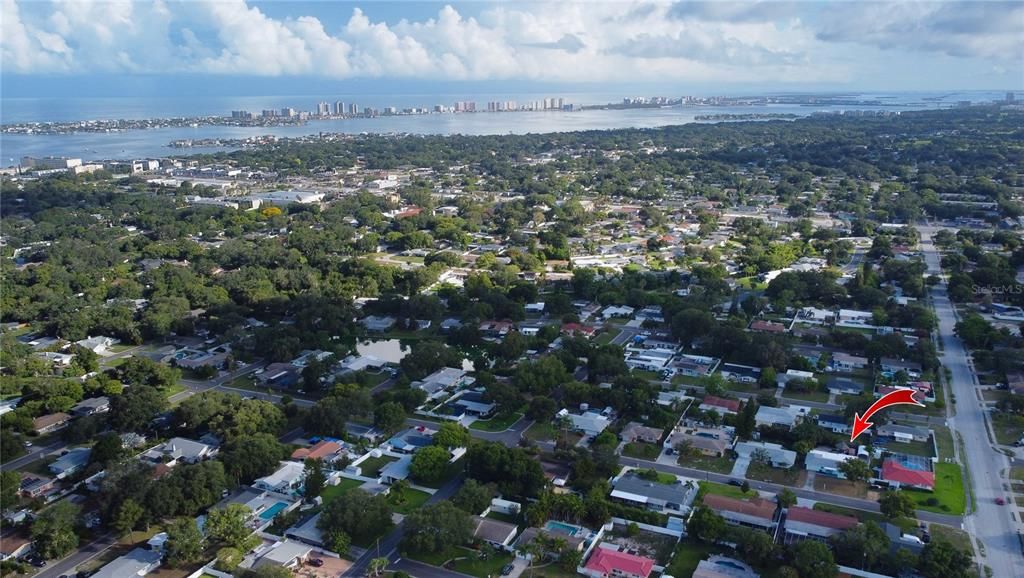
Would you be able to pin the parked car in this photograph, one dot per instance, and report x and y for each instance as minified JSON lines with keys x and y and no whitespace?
{"x":735,"y":483}
{"x":316,"y":562}
{"x":1000,"y":501}
{"x":507,"y":569}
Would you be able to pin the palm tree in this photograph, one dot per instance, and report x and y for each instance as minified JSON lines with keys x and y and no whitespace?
{"x":378,"y":565}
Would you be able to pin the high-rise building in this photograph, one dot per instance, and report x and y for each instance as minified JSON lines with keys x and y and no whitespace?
{"x":339,"y":108}
{"x":1010,"y":97}
{"x":353,"y":108}
{"x":288,"y":111}
{"x":323,"y":109}
{"x":267,"y":113}
{"x":561,"y":103}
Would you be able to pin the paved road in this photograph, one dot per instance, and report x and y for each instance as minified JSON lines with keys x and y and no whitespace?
{"x":994,"y":525}
{"x":510,"y":437}
{"x":66,"y":566}
{"x":388,"y":545}
{"x":34,"y":453}
{"x":421,"y":570}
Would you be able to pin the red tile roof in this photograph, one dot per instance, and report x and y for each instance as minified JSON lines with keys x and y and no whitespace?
{"x":819,"y":518}
{"x":892,"y":471}
{"x":318,"y":452}
{"x":757,"y":507}
{"x":730,"y":404}
{"x":606,"y":561}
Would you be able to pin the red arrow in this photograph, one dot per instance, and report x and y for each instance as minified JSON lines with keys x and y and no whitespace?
{"x":898,"y":397}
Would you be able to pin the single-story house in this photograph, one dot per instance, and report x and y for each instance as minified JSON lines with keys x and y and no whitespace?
{"x":588,"y":423}
{"x":50,"y":422}
{"x":637,"y":432}
{"x":767,"y":326}
{"x":34,"y":486}
{"x":396,"y":470}
{"x":617,"y":311}
{"x":91,"y":406}
{"x":307,"y":531}
{"x":14,"y":546}
{"x":901,"y":476}
{"x":280,"y":375}
{"x":473,"y":403}
{"x":286,"y":554}
{"x":177,"y":450}
{"x":807,"y":523}
{"x":826,"y":462}
{"x":778,"y":456}
{"x":378,"y":324}
{"x":572,"y":541}
{"x":707,"y":446}
{"x":793,"y":375}
{"x":696,"y":365}
{"x":834,"y":423}
{"x":892,"y":366}
{"x":777,"y":416}
{"x":648,"y":359}
{"x":608,"y":563}
{"x":138,"y":562}
{"x":740,"y":373}
{"x":754,"y":512}
{"x":845,"y":362}
{"x":56,"y":358}
{"x":411,"y":440}
{"x":288,"y":479}
{"x":903,"y":433}
{"x":844,"y":386}
{"x":98,"y":344}
{"x":653,"y":495}
{"x":494,"y":532}
{"x":325,"y":450}
{"x":70,"y":462}
{"x":719,"y":404}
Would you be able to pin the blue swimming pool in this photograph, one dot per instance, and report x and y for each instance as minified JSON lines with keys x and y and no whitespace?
{"x":272,"y":511}
{"x":561,"y":528}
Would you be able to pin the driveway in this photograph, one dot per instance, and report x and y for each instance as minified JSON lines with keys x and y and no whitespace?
{"x":739,"y":469}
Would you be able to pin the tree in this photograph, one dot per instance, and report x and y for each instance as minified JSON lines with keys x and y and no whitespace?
{"x":134,"y":409}
{"x":855,"y":469}
{"x":430,"y":464}
{"x":128,"y":516}
{"x":54,"y":530}
{"x":515,"y":472}
{"x":504,"y":395}
{"x":10,"y":484}
{"x":328,"y":416}
{"x":358,"y":514}
{"x":337,"y":541}
{"x":108,"y":448}
{"x":473,"y":497}
{"x":813,"y":559}
{"x":227,"y":526}
{"x":706,"y":525}
{"x":315,"y":478}
{"x":249,"y":457}
{"x":436,"y":528}
{"x":452,"y":435}
{"x":756,"y":546}
{"x":184,"y":543}
{"x":940,"y":559}
{"x":378,"y":565}
{"x":542,"y":408}
{"x":864,"y":544}
{"x":895,"y":504}
{"x":747,"y":421}
{"x":389,"y":416}
{"x":786,"y":498}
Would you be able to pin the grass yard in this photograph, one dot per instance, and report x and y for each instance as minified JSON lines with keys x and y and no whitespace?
{"x":685,"y":380}
{"x":113,"y":362}
{"x":948,"y":497}
{"x":913,"y":448}
{"x":687,"y":556}
{"x":1008,"y":428}
{"x":540,"y":431}
{"x":641,"y":450}
{"x":707,"y":463}
{"x":790,"y":477}
{"x":830,"y":485}
{"x":496,"y":423}
{"x":944,"y":439}
{"x":955,"y":536}
{"x":346,"y":485}
{"x":409,"y":500}
{"x":173,"y":390}
{"x":371,"y":467}
{"x":604,"y":338}
{"x":468,"y":561}
{"x":723,"y":490}
{"x":648,"y":375}
{"x":1017,"y":473}
{"x":818,"y":396}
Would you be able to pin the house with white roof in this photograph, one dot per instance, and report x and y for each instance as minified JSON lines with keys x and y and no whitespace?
{"x":288,"y":479}
{"x":778,"y":456}
{"x":787,"y":416}
{"x":826,"y":462}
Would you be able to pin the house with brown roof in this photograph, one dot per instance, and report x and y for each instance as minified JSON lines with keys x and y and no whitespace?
{"x":767,"y":326}
{"x":51,"y":422}
{"x":706,"y":445}
{"x":637,"y":432}
{"x":324,"y":450}
{"x":754,"y":513}
{"x":719,"y":404}
{"x":34,"y":486}
{"x":14,"y":546}
{"x":810,"y":524}
{"x":609,"y":563}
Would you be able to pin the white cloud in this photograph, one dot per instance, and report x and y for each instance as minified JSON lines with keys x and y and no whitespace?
{"x":566,"y":41}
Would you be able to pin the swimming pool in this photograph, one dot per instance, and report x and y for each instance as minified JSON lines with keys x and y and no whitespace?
{"x":273,"y":510}
{"x":561,"y":528}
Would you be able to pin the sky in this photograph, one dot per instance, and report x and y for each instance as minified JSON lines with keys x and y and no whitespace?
{"x":86,"y":47}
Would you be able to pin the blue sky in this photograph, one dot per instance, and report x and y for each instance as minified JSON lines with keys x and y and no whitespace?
{"x":238,"y":47}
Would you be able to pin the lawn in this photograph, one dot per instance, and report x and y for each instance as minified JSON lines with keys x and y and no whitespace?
{"x":944,"y":439}
{"x":410,"y":500}
{"x":114,"y":362}
{"x":707,"y":463}
{"x":723,"y":490}
{"x":346,"y":485}
{"x":687,"y":556}
{"x":818,"y":396}
{"x":685,"y":380}
{"x":173,"y":390}
{"x":1017,"y":473}
{"x":540,"y":430}
{"x":790,"y":477}
{"x":604,"y":338}
{"x":923,"y":449}
{"x":371,"y":467}
{"x":828,"y":484}
{"x":1008,"y":428}
{"x":956,"y":537}
{"x":470,"y":562}
{"x":641,"y":451}
{"x":648,"y":375}
{"x":948,"y":497}
{"x":496,"y":423}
